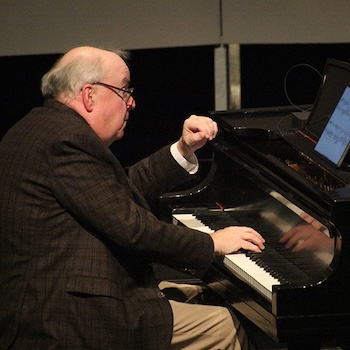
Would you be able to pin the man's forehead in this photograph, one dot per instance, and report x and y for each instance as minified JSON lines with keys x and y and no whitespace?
{"x":122,"y":73}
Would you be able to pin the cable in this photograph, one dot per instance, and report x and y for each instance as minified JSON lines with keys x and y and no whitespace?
{"x":285,"y":83}
{"x":278,"y":126}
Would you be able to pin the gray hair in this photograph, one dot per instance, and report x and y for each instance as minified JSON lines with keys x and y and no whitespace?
{"x":69,"y":78}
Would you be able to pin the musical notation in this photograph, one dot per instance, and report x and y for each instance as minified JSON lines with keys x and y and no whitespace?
{"x":335,"y":138}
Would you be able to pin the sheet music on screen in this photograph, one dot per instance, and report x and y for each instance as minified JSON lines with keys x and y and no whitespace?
{"x":335,"y":138}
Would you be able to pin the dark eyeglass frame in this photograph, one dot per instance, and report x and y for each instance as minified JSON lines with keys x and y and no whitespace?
{"x":128,"y":91}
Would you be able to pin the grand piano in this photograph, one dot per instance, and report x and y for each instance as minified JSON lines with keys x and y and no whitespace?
{"x":262,"y":171}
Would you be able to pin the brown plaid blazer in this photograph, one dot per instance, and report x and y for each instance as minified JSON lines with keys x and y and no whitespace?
{"x":77,"y":239}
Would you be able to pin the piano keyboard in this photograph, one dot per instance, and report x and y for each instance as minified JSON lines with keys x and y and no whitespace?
{"x":240,"y":264}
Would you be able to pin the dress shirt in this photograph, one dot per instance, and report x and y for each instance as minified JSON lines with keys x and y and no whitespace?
{"x":190,"y":166}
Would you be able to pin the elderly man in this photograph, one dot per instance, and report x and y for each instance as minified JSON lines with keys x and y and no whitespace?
{"x":77,"y":235}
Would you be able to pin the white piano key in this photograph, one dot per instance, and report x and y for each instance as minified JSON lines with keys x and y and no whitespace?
{"x":191,"y":221}
{"x":251,"y":273}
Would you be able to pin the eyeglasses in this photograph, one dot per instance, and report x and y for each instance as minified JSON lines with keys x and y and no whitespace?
{"x":124,"y":94}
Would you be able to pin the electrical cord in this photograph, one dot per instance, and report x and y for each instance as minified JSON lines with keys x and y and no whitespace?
{"x":285,"y":83}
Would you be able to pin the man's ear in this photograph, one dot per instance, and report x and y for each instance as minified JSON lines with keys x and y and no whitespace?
{"x":87,"y":95}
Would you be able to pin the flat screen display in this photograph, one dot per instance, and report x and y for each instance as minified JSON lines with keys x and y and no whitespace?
{"x":335,"y":138}
{"x":336,"y":77}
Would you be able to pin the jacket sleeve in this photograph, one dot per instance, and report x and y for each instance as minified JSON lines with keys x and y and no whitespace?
{"x":157,"y":174}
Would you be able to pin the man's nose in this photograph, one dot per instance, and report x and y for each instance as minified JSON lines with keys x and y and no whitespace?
{"x":131,"y":104}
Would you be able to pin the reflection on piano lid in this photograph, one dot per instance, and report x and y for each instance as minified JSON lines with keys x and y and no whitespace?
{"x":276,"y":264}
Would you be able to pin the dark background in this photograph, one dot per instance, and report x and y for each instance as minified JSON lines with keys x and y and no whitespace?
{"x":172,"y":83}
{"x":263,"y":69}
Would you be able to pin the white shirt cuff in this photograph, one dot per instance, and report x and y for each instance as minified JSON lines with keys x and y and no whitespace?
{"x":190,"y":166}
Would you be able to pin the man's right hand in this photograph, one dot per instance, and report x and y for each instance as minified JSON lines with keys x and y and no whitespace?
{"x":233,"y":238}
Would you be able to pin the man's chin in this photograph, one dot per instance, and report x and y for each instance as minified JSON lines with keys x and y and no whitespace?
{"x":119,"y":135}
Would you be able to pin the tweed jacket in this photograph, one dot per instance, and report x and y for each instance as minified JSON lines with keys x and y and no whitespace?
{"x":77,"y":239}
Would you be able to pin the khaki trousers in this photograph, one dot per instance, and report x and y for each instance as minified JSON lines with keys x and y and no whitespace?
{"x":203,"y":327}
